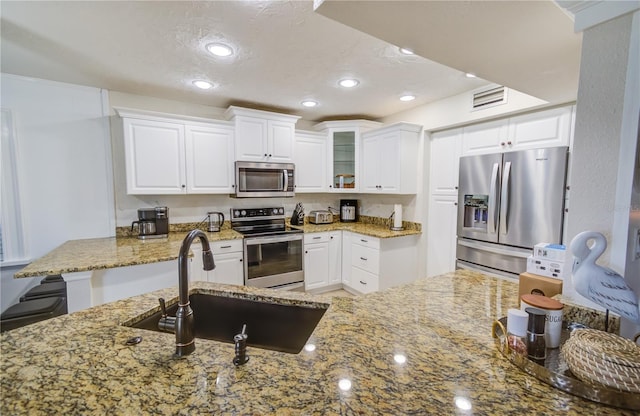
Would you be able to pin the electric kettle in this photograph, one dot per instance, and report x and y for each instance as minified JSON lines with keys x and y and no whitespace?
{"x":216,"y":219}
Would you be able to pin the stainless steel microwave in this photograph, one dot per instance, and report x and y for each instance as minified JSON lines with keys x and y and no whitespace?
{"x":264,"y":179}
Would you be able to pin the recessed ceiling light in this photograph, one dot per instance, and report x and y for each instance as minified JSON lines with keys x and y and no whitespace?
{"x":407,"y":98}
{"x":349,"y":83}
{"x":309,"y":103}
{"x":470,"y":75}
{"x":406,"y":51}
{"x":202,"y":84}
{"x":220,"y":49}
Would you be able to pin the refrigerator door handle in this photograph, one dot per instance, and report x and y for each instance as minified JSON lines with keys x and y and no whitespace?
{"x":493,"y":197}
{"x":504,"y":198}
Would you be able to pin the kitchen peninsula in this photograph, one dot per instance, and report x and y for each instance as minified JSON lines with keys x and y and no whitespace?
{"x":420,"y":348}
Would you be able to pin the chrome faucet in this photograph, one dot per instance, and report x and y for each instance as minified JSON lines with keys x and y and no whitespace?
{"x":183,"y":323}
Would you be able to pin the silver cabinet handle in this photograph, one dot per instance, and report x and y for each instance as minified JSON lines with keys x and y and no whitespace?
{"x":317,"y":238}
{"x":362,"y":258}
{"x":225,"y":246}
{"x":364,"y":241}
{"x":364,"y":283}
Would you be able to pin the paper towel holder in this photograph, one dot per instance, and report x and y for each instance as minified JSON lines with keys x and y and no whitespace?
{"x":391,"y":227}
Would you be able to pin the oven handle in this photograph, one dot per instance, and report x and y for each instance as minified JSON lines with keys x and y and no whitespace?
{"x":273,"y":239}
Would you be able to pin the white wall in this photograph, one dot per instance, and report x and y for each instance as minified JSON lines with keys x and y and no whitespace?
{"x":64,"y":163}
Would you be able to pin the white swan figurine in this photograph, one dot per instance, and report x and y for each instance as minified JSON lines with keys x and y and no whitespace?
{"x":601,"y":284}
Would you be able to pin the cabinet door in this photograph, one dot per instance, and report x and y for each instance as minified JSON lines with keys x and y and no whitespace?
{"x":251,"y":139}
{"x":316,"y":266}
{"x":344,"y":161}
{"x":335,"y":257}
{"x":441,"y":235}
{"x":229,"y":269}
{"x":311,"y":163}
{"x":154,"y":157}
{"x":542,"y":129}
{"x":389,"y":163}
{"x":371,"y":166}
{"x":485,"y":138}
{"x":281,"y":141}
{"x":209,"y":159}
{"x":444,"y":162}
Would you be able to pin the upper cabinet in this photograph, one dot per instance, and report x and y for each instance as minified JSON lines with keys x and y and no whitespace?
{"x":311,"y":162}
{"x":390,"y":159}
{"x":172,"y":155}
{"x":263,"y":136}
{"x":343,"y":152}
{"x":549,"y":128}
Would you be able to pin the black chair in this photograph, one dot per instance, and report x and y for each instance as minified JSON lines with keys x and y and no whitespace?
{"x":31,"y":311}
{"x":46,"y":290}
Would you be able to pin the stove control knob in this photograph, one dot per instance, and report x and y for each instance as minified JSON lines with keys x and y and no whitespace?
{"x":275,"y":211}
{"x":243,"y":213}
{"x":236,"y":213}
{"x":281,"y":210}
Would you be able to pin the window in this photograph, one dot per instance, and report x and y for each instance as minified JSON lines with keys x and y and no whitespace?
{"x":12,"y":246}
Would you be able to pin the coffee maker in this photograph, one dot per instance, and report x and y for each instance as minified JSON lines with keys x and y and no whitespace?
{"x":348,"y":210}
{"x":152,"y":222}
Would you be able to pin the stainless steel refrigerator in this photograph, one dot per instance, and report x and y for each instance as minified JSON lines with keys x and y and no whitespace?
{"x":507,"y":203}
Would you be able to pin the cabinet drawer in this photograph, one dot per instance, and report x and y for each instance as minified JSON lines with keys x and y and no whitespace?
{"x":226,"y":246}
{"x":365,"y":258}
{"x":363,"y":281}
{"x":312,"y":238}
{"x":366,"y":241}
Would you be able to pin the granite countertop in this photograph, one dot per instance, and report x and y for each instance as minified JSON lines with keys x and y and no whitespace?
{"x":126,"y":250}
{"x":79,"y":363}
{"x":107,"y":253}
{"x":373,"y":230}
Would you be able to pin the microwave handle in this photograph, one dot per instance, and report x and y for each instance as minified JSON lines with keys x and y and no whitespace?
{"x":286,"y":180}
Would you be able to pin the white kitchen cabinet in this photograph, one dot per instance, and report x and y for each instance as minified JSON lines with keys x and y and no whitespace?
{"x":442,"y":213}
{"x":378,"y":263}
{"x":390,"y":159}
{"x":343,"y":152}
{"x":444,"y":162}
{"x":316,"y":261}
{"x":311,"y":162}
{"x":548,"y":128}
{"x":441,"y":237}
{"x":322,"y":261}
{"x":169,"y":154}
{"x":209,"y":159}
{"x":263,"y":136}
{"x":228,"y":257}
{"x":154,"y":156}
{"x":485,"y":138}
{"x":335,"y":258}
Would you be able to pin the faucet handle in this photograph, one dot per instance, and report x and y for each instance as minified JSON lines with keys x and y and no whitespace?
{"x":163,"y":307}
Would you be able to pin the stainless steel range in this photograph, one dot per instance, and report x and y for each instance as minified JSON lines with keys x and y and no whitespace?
{"x":273,"y":252}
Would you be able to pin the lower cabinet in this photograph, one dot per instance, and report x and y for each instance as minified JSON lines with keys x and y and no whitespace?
{"x":370,"y":264}
{"x":322,"y":260}
{"x":228,"y":256}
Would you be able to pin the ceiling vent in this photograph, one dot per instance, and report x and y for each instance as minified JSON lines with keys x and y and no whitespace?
{"x":489,"y":98}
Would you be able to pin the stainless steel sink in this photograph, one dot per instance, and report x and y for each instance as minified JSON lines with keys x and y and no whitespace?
{"x":270,"y":326}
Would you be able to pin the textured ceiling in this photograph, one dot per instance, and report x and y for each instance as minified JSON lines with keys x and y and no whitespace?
{"x":285,"y":53}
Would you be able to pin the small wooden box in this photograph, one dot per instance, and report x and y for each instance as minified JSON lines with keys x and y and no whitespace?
{"x":535,"y":284}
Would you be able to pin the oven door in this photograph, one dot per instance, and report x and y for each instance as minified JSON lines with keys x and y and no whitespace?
{"x":274,"y":261}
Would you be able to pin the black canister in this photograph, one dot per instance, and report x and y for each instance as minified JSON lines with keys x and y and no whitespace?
{"x":536,"y":347}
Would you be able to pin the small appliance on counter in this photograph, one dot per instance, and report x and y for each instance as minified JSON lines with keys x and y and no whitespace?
{"x":320,"y":217}
{"x":215,"y":221}
{"x":152,"y":222}
{"x":348,"y":210}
